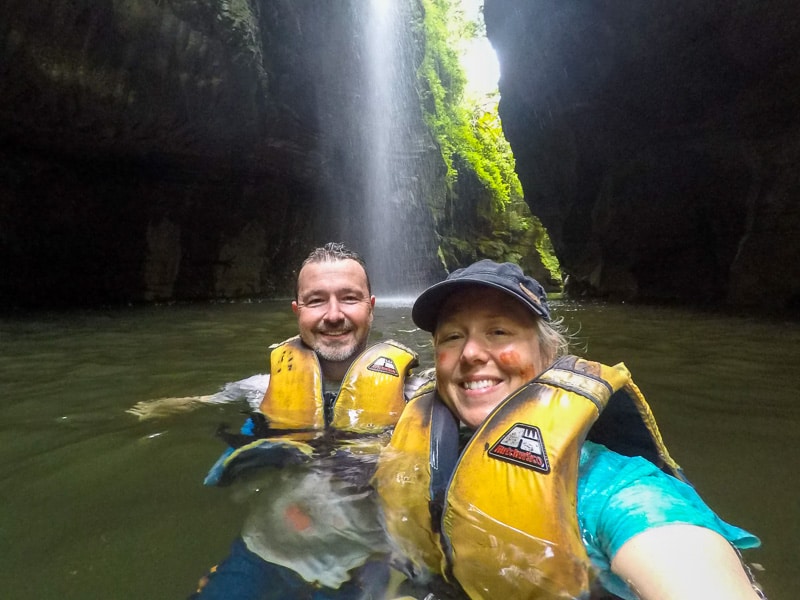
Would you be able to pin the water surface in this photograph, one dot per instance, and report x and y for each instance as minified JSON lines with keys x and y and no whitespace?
{"x":98,"y":505}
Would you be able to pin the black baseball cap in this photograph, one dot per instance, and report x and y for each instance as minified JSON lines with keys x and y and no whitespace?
{"x":506,"y":277}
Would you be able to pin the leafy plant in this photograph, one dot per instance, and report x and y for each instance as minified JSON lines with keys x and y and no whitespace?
{"x":472,"y":143}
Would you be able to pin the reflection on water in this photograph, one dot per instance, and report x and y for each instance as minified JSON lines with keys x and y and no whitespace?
{"x":97,"y":504}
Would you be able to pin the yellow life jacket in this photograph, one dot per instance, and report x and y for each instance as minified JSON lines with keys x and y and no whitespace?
{"x":370,"y":398}
{"x":369,"y":402}
{"x":499,"y":518}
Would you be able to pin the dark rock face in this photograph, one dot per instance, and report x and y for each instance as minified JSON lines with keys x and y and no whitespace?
{"x":470,"y":232}
{"x":178,"y":149}
{"x":658,"y":143}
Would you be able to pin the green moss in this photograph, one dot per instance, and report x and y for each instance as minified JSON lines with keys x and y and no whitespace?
{"x":471,"y":138}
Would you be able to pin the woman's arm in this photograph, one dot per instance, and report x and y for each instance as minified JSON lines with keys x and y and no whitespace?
{"x":682,"y":562}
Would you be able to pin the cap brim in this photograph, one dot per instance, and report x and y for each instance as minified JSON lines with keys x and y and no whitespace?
{"x":425,"y":311}
{"x":426,"y":306}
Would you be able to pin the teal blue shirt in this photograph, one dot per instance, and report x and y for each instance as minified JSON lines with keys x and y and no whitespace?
{"x":619,"y":497}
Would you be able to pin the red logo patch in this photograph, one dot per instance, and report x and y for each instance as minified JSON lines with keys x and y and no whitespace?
{"x":522,"y":445}
{"x":385,"y":365}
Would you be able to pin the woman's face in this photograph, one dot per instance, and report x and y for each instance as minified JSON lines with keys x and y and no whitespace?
{"x":486,"y":346}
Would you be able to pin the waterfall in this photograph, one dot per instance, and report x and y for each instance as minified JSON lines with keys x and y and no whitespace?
{"x":382,"y":168}
{"x":389,"y":167}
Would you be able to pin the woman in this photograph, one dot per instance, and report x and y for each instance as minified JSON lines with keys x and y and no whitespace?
{"x":526,"y":508}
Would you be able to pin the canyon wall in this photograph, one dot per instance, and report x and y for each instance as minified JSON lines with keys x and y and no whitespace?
{"x":658,"y":143}
{"x":186,"y":150}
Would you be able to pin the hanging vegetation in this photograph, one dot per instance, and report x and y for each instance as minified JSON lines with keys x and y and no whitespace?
{"x":480,"y":163}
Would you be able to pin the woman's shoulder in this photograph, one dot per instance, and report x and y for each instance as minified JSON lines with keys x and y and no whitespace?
{"x":619,"y":496}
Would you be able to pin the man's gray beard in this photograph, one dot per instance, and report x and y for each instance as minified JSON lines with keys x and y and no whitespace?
{"x":337,"y":354}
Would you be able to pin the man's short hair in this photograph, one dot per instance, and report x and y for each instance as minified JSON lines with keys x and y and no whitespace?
{"x":332,"y":252}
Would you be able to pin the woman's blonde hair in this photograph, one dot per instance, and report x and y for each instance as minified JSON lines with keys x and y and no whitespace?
{"x":554,"y":340}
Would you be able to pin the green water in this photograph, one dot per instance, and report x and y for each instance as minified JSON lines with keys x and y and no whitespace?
{"x":99,"y":505}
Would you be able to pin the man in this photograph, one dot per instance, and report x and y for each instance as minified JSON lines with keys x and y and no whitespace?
{"x":334,"y":308}
{"x":313,"y":532}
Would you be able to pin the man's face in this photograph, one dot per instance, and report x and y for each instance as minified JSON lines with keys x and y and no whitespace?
{"x":334,"y":308}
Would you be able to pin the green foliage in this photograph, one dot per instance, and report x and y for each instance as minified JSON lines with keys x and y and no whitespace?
{"x":471,"y":132}
{"x":441,"y":77}
{"x":491,"y":156}
{"x":471,"y":136}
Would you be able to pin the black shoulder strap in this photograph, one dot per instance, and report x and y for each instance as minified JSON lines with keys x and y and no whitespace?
{"x":443,"y":456}
{"x":620,"y":428}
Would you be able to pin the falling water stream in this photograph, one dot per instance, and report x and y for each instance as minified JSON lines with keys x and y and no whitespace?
{"x":381,"y":166}
{"x":383,"y":171}
{"x":392,"y":169}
